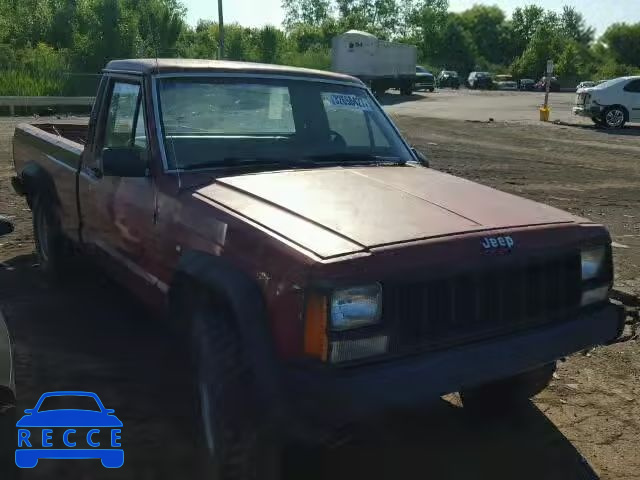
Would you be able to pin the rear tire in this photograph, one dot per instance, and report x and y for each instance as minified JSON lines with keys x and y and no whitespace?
{"x":51,"y":245}
{"x":234,"y":440}
{"x":509,"y":394}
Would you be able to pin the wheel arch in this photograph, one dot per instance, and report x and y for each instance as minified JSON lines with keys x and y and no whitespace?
{"x":244,"y":298}
{"x":37,"y":180}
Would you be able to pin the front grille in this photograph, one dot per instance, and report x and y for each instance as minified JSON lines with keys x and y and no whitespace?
{"x":474,"y":305}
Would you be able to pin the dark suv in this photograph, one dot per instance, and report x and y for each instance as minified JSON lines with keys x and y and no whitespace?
{"x":424,"y":79}
{"x":448,"y":79}
{"x":480,"y":80}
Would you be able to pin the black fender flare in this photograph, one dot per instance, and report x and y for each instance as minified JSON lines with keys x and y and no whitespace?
{"x":36,"y":180}
{"x":247,"y":303}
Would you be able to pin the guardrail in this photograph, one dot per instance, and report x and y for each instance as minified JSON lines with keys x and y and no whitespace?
{"x":16,"y":101}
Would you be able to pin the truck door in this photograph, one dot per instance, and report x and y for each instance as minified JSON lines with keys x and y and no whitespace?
{"x":632,"y":93}
{"x":118,"y":212}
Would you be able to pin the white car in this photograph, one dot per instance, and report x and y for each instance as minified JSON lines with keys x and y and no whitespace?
{"x":612,"y":103}
{"x":505,"y":82}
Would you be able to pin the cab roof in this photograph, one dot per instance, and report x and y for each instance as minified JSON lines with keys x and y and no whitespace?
{"x":149,"y":66}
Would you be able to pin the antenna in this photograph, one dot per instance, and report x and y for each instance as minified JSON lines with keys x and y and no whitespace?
{"x":173,"y":150}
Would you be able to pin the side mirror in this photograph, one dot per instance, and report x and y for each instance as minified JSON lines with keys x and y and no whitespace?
{"x":5,"y":226}
{"x":422,"y":158}
{"x":123,"y":162}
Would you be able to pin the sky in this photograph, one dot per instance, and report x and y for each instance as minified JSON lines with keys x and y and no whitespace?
{"x":254,"y":13}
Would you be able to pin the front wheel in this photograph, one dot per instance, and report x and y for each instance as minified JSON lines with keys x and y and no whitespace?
{"x":615,"y":117}
{"x":508,"y":394}
{"x":234,"y":441}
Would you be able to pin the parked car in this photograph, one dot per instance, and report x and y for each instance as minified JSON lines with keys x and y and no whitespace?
{"x":527,"y":84}
{"x":586,"y":84}
{"x":317,"y":269}
{"x":554,"y":85}
{"x":424,"y":79}
{"x":480,"y":80}
{"x":7,"y":402}
{"x":7,"y":379}
{"x":505,"y":82}
{"x":448,"y":79}
{"x":612,"y":103}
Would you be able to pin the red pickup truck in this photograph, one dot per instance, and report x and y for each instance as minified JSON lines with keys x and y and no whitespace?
{"x":319,"y":270}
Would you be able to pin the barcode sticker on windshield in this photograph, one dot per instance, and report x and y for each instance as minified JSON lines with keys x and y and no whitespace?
{"x":349,"y":101}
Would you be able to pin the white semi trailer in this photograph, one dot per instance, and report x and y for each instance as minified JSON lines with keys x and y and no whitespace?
{"x":378,"y":63}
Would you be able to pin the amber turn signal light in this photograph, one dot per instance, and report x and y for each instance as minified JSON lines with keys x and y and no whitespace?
{"x":315,"y":329}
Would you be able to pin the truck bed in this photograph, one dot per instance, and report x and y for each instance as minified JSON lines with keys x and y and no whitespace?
{"x":76,"y":132}
{"x":55,"y":148}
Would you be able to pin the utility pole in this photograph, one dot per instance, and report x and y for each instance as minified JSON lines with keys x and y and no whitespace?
{"x":548,"y":83}
{"x":544,"y":110}
{"x":221,"y":32}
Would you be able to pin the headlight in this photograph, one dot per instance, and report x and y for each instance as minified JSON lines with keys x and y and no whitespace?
{"x":355,"y":307}
{"x":593,"y":262}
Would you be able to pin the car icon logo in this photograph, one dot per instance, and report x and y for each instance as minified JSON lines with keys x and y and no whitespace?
{"x":87,"y":431}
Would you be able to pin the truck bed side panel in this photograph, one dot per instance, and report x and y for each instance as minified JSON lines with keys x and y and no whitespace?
{"x":58,"y":157}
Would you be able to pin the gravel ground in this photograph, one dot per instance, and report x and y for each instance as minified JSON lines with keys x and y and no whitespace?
{"x":90,"y":335}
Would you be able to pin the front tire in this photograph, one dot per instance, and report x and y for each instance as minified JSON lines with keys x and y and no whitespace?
{"x":508,"y":394}
{"x":615,"y":117}
{"x":234,"y":440}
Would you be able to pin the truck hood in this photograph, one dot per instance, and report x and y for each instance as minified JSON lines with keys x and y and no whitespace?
{"x":337,"y":211}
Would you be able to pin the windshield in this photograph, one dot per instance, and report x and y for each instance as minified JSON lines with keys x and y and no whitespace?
{"x":609,"y":83}
{"x":421,"y":69}
{"x":207,"y":121}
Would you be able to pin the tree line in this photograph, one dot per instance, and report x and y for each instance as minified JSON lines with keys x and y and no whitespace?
{"x":53,"y":47}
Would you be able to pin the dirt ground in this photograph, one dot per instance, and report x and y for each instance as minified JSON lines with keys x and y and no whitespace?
{"x":89,"y":335}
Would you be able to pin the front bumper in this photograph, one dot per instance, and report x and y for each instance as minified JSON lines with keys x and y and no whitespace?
{"x":592,"y":111}
{"x":424,"y":84}
{"x":335,"y":396}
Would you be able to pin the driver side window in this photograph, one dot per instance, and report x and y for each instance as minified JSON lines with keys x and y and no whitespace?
{"x":633,"y":86}
{"x":125,"y":113}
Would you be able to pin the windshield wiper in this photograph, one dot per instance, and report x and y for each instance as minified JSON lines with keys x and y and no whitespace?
{"x":248,"y":161}
{"x":356,"y":158}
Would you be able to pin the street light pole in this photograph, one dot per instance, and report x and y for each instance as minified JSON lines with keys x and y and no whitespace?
{"x":221,"y":31}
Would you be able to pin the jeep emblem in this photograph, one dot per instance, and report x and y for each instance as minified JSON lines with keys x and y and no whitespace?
{"x":491,"y":244}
